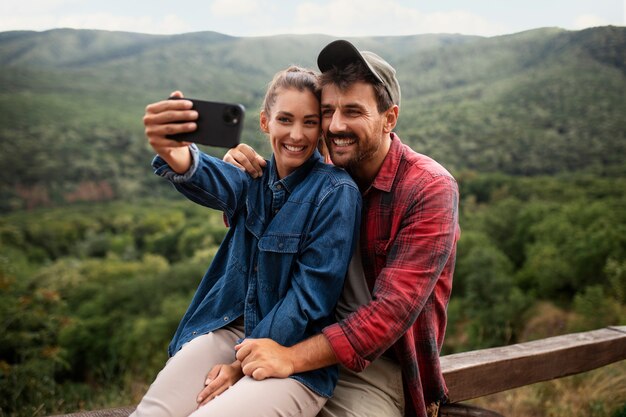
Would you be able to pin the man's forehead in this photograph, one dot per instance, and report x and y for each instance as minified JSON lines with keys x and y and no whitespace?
{"x":358,"y":93}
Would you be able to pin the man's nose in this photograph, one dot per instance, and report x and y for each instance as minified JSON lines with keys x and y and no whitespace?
{"x":337,"y":123}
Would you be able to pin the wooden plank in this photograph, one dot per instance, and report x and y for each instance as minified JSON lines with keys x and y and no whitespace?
{"x":483,"y":372}
{"x":108,"y":412}
{"x":464,"y":410}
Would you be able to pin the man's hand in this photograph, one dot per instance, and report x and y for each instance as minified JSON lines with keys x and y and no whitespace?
{"x":168,"y":117}
{"x":264,"y":358}
{"x":246,"y":159}
{"x":218,"y":380}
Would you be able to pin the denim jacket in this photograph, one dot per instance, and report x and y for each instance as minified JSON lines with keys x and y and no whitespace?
{"x":283,"y":261}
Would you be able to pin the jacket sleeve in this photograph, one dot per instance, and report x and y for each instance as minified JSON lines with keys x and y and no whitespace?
{"x":319,"y":273}
{"x":209,"y":181}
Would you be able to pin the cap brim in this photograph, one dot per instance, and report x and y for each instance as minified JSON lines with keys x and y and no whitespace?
{"x":340,"y":54}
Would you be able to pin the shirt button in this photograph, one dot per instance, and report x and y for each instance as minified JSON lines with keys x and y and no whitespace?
{"x":194,"y":332}
{"x":279,"y":187}
{"x":225,"y":318}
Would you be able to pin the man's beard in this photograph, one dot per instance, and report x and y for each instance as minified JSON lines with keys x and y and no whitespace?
{"x":360,"y":154}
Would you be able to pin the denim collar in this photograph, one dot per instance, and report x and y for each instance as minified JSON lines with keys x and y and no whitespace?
{"x":291,"y":181}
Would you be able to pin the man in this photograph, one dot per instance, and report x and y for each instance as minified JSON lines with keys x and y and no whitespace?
{"x":392,"y":317}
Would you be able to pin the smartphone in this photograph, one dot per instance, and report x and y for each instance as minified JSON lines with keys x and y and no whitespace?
{"x":219,"y":124}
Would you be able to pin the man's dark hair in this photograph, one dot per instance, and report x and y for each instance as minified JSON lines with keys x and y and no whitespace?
{"x":355,"y":72}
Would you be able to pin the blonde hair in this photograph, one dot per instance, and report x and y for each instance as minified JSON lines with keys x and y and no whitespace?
{"x":295,"y":77}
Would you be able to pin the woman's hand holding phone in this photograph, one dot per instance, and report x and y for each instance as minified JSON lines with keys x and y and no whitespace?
{"x":169,"y":117}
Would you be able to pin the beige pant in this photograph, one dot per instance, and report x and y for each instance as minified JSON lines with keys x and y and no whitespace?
{"x":375,"y":392}
{"x":174,"y":391}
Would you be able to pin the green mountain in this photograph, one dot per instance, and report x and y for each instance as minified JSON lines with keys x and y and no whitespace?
{"x":545,"y":101}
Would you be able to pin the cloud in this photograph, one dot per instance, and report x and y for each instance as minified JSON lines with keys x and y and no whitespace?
{"x":384,"y":17}
{"x":229,"y":8}
{"x":168,"y":24}
{"x":459,"y":21}
{"x":254,"y":18}
{"x":27,"y":7}
{"x":588,"y":20}
{"x":50,"y":14}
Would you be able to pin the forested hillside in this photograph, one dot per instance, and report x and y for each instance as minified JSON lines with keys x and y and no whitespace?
{"x":540,"y":102}
{"x":99,"y":258}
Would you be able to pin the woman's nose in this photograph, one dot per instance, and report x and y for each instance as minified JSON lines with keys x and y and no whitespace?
{"x":297,"y":132}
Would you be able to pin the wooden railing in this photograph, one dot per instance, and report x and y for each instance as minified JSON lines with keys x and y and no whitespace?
{"x":482,"y":372}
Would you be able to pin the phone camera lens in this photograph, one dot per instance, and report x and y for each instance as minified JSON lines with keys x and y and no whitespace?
{"x":232,"y":115}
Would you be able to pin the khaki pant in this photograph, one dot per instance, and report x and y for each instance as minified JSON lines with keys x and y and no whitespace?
{"x":176,"y":387}
{"x":375,"y":392}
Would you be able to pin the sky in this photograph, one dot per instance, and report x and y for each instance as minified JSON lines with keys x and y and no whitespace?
{"x":330,"y":17}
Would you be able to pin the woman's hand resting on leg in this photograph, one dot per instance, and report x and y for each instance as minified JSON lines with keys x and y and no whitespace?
{"x":218,"y":380}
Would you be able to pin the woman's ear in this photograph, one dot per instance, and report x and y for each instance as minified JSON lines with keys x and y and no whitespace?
{"x":391,"y":118}
{"x":263,"y":122}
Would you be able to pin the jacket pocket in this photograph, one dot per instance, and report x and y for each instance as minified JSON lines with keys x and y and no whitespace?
{"x":277,"y":255}
{"x":280,"y":243}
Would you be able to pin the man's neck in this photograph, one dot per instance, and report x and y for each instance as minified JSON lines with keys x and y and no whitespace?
{"x":366,"y":171}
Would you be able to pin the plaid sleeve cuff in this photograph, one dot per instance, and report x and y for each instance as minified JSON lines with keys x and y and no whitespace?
{"x":345,"y":353}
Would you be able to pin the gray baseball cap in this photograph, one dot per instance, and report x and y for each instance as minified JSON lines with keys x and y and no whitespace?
{"x":341,"y":53}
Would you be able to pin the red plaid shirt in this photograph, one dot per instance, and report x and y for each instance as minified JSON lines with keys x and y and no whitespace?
{"x":408,"y":245}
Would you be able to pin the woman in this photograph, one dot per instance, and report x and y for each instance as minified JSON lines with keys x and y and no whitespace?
{"x":278,"y":272}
